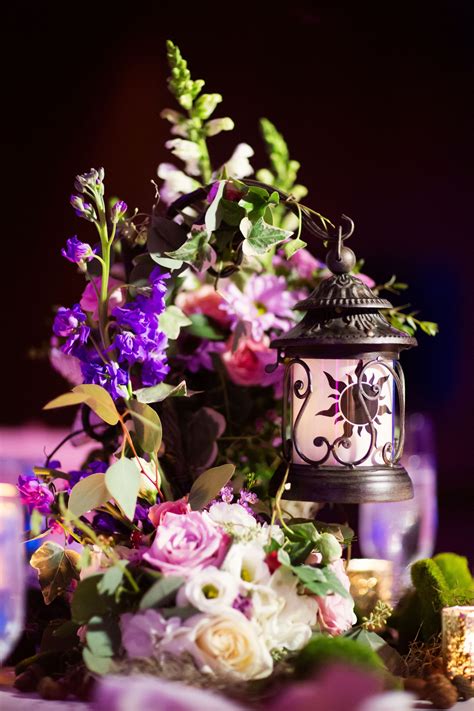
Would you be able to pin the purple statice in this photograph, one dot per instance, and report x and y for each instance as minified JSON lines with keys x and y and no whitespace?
{"x":70,"y":324}
{"x":34,"y":494}
{"x":118,"y":211}
{"x":227,"y":494}
{"x":109,"y":375}
{"x":248,"y":498}
{"x":244,"y":605}
{"x":83,"y":209}
{"x":264,"y":304}
{"x":77,"y":252}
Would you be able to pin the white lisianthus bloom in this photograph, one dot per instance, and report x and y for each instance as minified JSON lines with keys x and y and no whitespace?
{"x":233,"y":517}
{"x":291,"y":625}
{"x":187,"y":151}
{"x":209,"y":590}
{"x":176,"y":183}
{"x":226,"y":644}
{"x":238,"y":165}
{"x":245,"y":561}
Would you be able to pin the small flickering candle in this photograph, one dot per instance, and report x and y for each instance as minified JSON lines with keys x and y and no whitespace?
{"x":371,"y":580}
{"x":458,"y":641}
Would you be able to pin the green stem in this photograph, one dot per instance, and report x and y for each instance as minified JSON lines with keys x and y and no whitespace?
{"x":204,"y":162}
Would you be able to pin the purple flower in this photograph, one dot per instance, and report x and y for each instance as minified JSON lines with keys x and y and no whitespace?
{"x":83,"y":209}
{"x":201,"y":356}
{"x":77,"y":251}
{"x":109,"y":375}
{"x":264,"y":304}
{"x":70,"y":324}
{"x":96,"y":467}
{"x":248,"y":497}
{"x":118,"y":211}
{"x":131,"y":348}
{"x":34,"y":494}
{"x":227,"y":494}
{"x":155,"y":369}
{"x":243,"y":605}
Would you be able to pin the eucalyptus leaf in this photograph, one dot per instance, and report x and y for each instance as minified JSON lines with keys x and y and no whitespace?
{"x":158,"y":393}
{"x":172,"y":321}
{"x":88,"y":601}
{"x":123,"y":482}
{"x":167,"y":262}
{"x":161,"y":592}
{"x":88,"y":494}
{"x":262,"y":237}
{"x":148,"y":427}
{"x":111,"y":580}
{"x":100,"y":401}
{"x":208,"y":484}
{"x":65,"y":400}
{"x":56,"y":567}
{"x":102,"y":636}
{"x":97,"y":665}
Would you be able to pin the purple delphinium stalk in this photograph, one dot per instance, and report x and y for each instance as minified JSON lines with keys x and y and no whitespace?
{"x":77,"y":251}
{"x":34,"y":494}
{"x":109,"y":375}
{"x":70,"y":324}
{"x":130,"y":347}
{"x":118,"y":211}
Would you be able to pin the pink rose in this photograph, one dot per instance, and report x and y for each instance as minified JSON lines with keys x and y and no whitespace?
{"x":184,"y":544}
{"x":117,"y":296}
{"x":157,"y":512}
{"x":336,"y":613}
{"x":205,"y":300}
{"x":246,"y":365}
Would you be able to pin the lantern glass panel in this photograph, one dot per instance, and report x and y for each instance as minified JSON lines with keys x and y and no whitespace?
{"x":348,"y":416}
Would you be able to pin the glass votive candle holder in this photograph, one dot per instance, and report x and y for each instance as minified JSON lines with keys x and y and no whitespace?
{"x":458,"y":641}
{"x":371,"y":580}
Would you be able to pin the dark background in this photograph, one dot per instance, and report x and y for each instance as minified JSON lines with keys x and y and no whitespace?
{"x":374,"y":100}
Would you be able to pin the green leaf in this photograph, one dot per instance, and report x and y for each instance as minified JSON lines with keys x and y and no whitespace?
{"x":208,"y":484}
{"x":95,"y":396}
{"x":167,"y":262}
{"x":99,"y":400}
{"x":293,"y":246}
{"x":56,"y":567}
{"x":147,"y":426}
{"x":214,"y":211}
{"x":182,"y":612}
{"x":97,"y":665}
{"x":284,"y":558}
{"x":201,"y":327}
{"x":195,"y":249}
{"x":158,"y":393}
{"x":88,"y":494}
{"x":47,"y":473}
{"x":123,"y":482}
{"x":262,"y":237}
{"x":111,"y":579}
{"x":172,"y":321}
{"x":103,"y":637}
{"x":87,"y":601}
{"x":206,"y":105}
{"x":231,"y":212}
{"x":429,"y":327}
{"x":162,"y":592}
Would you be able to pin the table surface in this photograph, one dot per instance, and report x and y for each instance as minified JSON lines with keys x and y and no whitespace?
{"x":12,"y":700}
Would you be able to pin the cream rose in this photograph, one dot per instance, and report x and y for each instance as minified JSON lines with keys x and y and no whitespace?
{"x":227,"y":644}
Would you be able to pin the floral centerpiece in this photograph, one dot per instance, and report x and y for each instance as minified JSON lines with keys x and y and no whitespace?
{"x":165,"y":547}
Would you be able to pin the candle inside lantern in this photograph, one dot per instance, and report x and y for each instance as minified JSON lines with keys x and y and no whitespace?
{"x":12,"y":570}
{"x":350,"y":403}
{"x":371,"y":580}
{"x":458,"y":641}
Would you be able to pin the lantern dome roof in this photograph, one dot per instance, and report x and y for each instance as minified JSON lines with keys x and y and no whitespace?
{"x":343,"y":310}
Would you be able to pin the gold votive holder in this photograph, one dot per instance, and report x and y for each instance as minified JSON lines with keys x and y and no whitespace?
{"x":458,"y":641}
{"x":371,"y":580}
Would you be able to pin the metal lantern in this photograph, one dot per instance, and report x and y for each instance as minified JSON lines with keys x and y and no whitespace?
{"x":343,"y":387}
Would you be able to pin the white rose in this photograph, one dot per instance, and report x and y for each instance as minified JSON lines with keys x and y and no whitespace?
{"x":209,"y":590}
{"x":246,"y":563}
{"x":232,"y":516}
{"x":290,"y":627}
{"x":227,"y":644}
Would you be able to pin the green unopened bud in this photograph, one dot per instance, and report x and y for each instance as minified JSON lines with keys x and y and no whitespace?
{"x":206,"y":105}
{"x":329,"y":548}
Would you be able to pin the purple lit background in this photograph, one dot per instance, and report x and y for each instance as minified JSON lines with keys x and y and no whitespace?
{"x":373,"y":99}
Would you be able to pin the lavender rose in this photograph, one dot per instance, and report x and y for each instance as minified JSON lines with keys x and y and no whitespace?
{"x":186,"y":543}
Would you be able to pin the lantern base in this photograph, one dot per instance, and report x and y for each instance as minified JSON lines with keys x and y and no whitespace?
{"x":344,"y":485}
